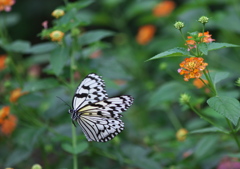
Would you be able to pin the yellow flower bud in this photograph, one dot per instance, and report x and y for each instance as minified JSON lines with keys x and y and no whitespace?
{"x":58,"y":13}
{"x":184,"y":98}
{"x":56,"y":36}
{"x":36,"y":166}
{"x":181,"y":134}
{"x":203,"y":19}
{"x":179,"y":25}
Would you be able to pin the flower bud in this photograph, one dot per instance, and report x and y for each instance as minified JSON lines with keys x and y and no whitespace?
{"x":36,"y":166}
{"x":179,"y":25}
{"x":184,"y":98}
{"x":203,"y":19}
{"x":58,"y":13}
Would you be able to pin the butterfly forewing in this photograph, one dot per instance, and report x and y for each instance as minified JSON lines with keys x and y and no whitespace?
{"x":91,"y":90}
{"x":98,"y":115}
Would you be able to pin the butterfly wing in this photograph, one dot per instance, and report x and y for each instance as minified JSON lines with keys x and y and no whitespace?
{"x":101,"y":121}
{"x":91,"y":90}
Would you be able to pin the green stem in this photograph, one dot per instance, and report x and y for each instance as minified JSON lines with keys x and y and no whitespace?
{"x":176,"y":123}
{"x":211,"y":85}
{"x":233,"y":132}
{"x":74,"y":144}
{"x":205,"y":118}
{"x":74,"y":137}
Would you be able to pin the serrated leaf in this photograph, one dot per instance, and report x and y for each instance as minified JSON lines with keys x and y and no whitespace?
{"x":208,"y":130}
{"x":58,"y":59}
{"x":19,"y":46}
{"x":203,"y":47}
{"x":40,"y":84}
{"x":42,"y":48}
{"x":178,"y":51}
{"x":227,"y":106}
{"x":93,"y":36}
{"x":215,"y":45}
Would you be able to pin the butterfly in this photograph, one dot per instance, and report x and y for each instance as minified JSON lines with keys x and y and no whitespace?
{"x":96,"y":113}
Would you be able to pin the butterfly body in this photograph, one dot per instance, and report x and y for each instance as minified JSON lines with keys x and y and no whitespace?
{"x":98,"y":115}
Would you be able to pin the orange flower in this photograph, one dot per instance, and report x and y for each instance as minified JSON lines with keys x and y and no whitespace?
{"x":9,"y":124}
{"x":15,"y":94}
{"x":56,"y":36}
{"x":6,"y":5}
{"x":192,"y":67}
{"x":3,"y":113}
{"x":199,"y":84}
{"x":181,"y":134}
{"x":204,"y":38}
{"x":163,"y":8}
{"x":145,"y":34}
{"x":2,"y":61}
{"x":7,"y":121}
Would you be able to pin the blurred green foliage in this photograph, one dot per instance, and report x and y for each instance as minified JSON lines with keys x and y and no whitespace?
{"x":107,"y":46}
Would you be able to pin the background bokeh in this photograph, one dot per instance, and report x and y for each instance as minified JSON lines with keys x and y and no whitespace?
{"x":151,"y":123}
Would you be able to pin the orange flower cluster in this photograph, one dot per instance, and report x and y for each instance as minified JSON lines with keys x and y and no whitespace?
{"x":192,"y":67}
{"x":2,"y":62}
{"x":145,"y":34}
{"x":164,"y":8}
{"x":7,"y":121}
{"x":5,"y":5}
{"x":15,"y":94}
{"x":204,"y":38}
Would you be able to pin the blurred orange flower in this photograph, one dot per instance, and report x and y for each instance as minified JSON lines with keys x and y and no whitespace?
{"x":192,"y":67}
{"x":2,"y":61}
{"x":15,"y":94}
{"x":58,"y":13}
{"x":181,"y":134}
{"x":7,"y":121}
{"x":56,"y":36}
{"x":199,"y":84}
{"x":204,"y":37}
{"x":145,"y":34}
{"x":164,"y":8}
{"x":5,"y":5}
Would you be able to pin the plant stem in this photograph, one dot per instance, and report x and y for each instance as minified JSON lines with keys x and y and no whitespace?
{"x":233,"y":132}
{"x":205,"y":118}
{"x":74,"y":144}
{"x":175,"y":122}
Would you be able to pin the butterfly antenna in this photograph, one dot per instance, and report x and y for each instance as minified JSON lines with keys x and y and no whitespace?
{"x":64,"y":102}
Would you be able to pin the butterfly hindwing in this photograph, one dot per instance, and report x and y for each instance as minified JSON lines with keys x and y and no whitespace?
{"x":102,"y":118}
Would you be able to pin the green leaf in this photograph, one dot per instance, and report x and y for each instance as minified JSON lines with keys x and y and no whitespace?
{"x":79,"y":4}
{"x":215,"y":46}
{"x":79,"y":148}
{"x":208,"y":130}
{"x":178,"y":51}
{"x":203,"y":47}
{"x":68,"y":148}
{"x":93,"y":36}
{"x":42,"y":84}
{"x":227,"y":106}
{"x":42,"y":48}
{"x":58,"y":59}
{"x":16,"y":156}
{"x":218,"y":76}
{"x":205,"y":146}
{"x":19,"y":46}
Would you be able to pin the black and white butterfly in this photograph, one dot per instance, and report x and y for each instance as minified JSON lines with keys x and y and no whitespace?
{"x":98,"y":115}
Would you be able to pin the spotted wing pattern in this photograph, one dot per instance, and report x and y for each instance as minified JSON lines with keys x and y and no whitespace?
{"x":98,"y":115}
{"x":101,"y":121}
